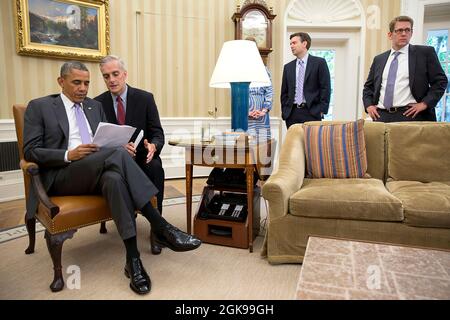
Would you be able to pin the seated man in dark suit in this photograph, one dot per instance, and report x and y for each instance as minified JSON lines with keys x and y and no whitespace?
{"x":124,"y":104}
{"x":58,"y":135}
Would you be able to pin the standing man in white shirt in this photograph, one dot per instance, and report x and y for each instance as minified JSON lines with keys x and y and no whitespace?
{"x":306,"y":85}
{"x":406,"y":82}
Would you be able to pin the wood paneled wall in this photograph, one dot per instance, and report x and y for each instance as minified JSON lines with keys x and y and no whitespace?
{"x":170,"y":47}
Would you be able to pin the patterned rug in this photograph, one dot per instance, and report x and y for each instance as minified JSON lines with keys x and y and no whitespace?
{"x":337,"y":269}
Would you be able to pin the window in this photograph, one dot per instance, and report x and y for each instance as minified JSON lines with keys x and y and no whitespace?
{"x":439,"y":40}
{"x":330,"y":57}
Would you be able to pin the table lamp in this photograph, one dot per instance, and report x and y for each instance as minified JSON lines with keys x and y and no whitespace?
{"x":239,"y":66}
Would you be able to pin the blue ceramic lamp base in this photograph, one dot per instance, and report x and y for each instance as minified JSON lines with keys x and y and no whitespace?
{"x":239,"y":106}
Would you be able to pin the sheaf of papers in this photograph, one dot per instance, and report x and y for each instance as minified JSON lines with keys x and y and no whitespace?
{"x":139,"y":138}
{"x":109,"y":135}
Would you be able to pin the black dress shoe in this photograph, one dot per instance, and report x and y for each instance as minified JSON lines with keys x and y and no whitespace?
{"x":139,"y":279}
{"x":175,"y":239}
{"x":153,"y":246}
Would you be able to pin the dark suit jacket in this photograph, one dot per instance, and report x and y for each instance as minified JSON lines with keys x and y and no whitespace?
{"x":317,"y":87}
{"x":141,"y":113}
{"x":46,"y":137}
{"x":427,"y":80}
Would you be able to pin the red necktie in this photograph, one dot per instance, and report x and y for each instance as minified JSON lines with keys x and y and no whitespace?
{"x":120,"y":111}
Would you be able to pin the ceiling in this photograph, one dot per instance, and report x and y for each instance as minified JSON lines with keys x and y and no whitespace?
{"x":437,"y":10}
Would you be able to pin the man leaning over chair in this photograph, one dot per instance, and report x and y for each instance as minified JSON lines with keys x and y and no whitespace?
{"x":58,"y":135}
{"x":124,"y":104}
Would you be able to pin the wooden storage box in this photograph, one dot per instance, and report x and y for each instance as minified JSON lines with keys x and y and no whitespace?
{"x":226,"y":232}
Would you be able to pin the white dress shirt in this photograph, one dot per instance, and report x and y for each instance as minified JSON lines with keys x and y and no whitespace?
{"x":402,"y":91}
{"x":74,"y":134}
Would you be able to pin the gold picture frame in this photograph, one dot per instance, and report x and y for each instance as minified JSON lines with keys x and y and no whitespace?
{"x":65,"y":29}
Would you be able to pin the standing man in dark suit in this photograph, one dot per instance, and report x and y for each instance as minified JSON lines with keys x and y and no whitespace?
{"x":406,"y":82}
{"x":58,"y":135}
{"x":124,"y":104}
{"x":306,"y":86}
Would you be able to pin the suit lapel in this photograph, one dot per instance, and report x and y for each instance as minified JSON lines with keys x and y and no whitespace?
{"x":61,"y":116}
{"x":130,"y":104}
{"x":91,"y":115}
{"x":309,"y":66}
{"x":412,"y":64}
{"x":293,"y":72}
{"x":381,"y":67}
{"x":108,"y":108}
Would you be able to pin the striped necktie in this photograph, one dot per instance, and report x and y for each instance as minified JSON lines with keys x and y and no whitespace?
{"x":120,"y":111}
{"x":300,"y":83}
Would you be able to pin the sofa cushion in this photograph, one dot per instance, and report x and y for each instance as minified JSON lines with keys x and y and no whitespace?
{"x":335,"y":150}
{"x":374,"y":133}
{"x":358,"y":199}
{"x":418,"y":151}
{"x":424,"y":204}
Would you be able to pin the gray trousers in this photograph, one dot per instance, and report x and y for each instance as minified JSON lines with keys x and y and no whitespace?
{"x":115,"y":175}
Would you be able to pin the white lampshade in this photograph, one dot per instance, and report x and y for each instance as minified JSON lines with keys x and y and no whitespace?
{"x":239,"y":61}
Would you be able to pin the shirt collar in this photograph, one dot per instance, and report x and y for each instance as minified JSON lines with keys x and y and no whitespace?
{"x":123,"y":96}
{"x":404,"y":50}
{"x":67,"y":102}
{"x":304,"y":59}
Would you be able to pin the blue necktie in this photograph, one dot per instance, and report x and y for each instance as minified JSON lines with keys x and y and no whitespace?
{"x":82,"y":126}
{"x":390,"y":84}
{"x":300,"y":83}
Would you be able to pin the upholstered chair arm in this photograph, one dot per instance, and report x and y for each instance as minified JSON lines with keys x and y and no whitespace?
{"x":289,"y":177}
{"x":32,"y":169}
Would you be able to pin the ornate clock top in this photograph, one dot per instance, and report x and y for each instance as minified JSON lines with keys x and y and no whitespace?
{"x":254,"y":20}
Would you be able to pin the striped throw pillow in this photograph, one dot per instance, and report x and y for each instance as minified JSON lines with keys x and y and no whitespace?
{"x":335,"y":150}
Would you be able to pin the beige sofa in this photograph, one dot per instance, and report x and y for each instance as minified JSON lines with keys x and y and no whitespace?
{"x":406,"y":200}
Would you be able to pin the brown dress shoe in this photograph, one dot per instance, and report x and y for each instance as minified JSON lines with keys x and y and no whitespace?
{"x":156,"y":249}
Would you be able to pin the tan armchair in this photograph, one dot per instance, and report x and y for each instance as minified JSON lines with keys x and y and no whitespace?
{"x":61,"y":216}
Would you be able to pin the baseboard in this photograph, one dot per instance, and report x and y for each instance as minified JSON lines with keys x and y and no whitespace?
{"x":11,"y":186}
{"x":7,"y":130}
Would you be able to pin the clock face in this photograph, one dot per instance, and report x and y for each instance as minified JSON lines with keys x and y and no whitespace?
{"x":254,"y":25}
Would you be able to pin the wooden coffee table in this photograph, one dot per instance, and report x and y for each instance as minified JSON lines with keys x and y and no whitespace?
{"x":347,"y":270}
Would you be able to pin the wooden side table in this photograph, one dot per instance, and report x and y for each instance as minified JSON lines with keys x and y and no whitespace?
{"x":243,"y":154}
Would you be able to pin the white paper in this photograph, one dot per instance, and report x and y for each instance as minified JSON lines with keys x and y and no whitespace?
{"x":109,"y":135}
{"x":139,"y":138}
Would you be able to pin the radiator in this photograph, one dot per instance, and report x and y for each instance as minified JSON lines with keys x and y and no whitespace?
{"x":9,"y":156}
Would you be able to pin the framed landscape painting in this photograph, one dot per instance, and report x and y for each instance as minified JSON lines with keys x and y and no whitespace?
{"x":67,"y":29}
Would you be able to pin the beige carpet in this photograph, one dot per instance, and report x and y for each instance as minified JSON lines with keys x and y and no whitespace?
{"x":210,"y":272}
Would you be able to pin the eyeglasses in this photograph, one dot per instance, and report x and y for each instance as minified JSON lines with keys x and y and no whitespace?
{"x":400,"y":31}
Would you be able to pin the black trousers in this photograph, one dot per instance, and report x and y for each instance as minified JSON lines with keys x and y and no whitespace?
{"x":114,"y":174}
{"x":155,"y":172}
{"x":301,"y":115}
{"x":386,"y":116}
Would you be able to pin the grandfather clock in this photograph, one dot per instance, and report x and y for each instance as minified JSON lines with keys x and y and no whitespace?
{"x":254,"y":20}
